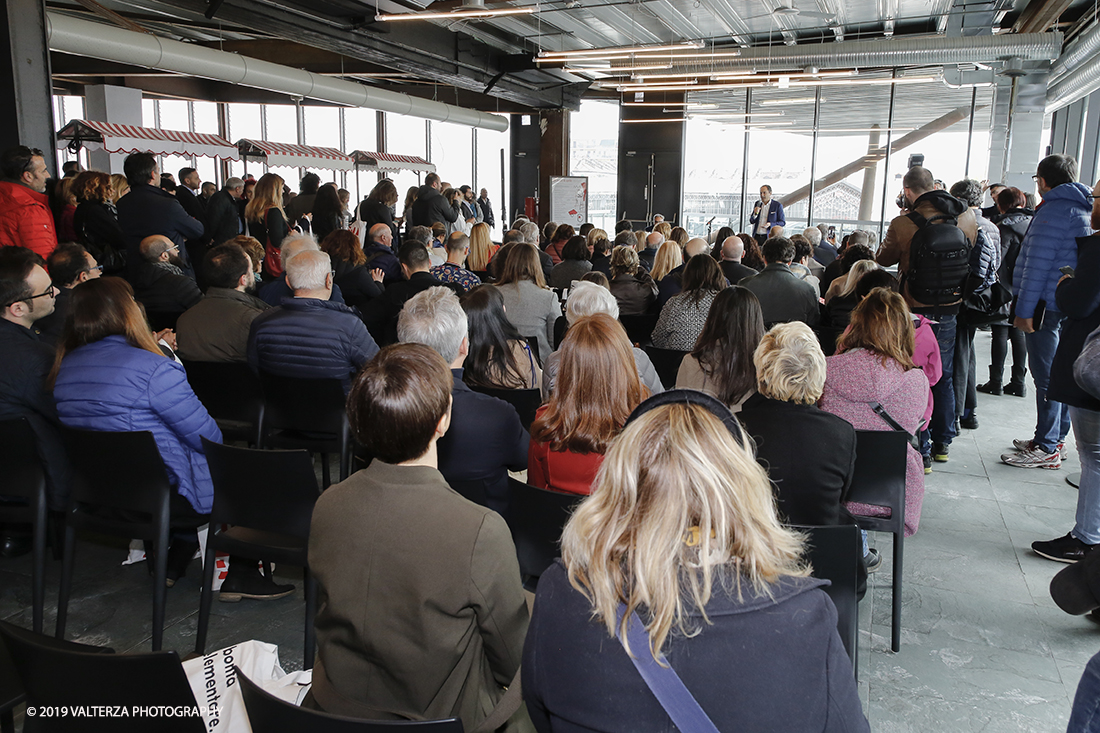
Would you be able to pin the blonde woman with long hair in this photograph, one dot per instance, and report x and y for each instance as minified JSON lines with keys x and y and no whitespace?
{"x":267,"y":221}
{"x":482,"y":248}
{"x":681,"y":534}
{"x":668,"y":258}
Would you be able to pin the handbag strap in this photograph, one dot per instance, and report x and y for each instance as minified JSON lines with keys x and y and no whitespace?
{"x":663,"y":682}
{"x":881,"y":412}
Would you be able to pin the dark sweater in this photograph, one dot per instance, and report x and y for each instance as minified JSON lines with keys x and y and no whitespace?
{"x":1079,"y":301}
{"x":765,"y":664}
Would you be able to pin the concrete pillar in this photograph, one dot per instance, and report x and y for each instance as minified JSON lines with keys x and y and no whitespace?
{"x":553,"y":155}
{"x":118,"y":105}
{"x":26,"y":90}
{"x":867,"y":197}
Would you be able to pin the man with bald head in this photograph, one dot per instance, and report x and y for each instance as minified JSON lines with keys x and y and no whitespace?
{"x":274,"y":292}
{"x":159,"y":282}
{"x":379,"y":252}
{"x":672,"y":283}
{"x":733,"y":249}
{"x":653,"y":243}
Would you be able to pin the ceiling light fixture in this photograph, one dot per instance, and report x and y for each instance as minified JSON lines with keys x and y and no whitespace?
{"x":720,"y":113}
{"x":771,"y":76}
{"x":612,"y":70}
{"x":617,"y":51}
{"x":455,"y":15}
{"x":692,"y":86}
{"x":688,"y":105}
{"x":783,"y":102}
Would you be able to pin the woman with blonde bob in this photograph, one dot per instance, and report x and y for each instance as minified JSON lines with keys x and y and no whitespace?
{"x":874,"y":365}
{"x":668,"y":258}
{"x":597,"y":388}
{"x":681,"y":532}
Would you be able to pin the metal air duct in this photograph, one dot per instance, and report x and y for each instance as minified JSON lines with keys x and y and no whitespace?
{"x":1083,"y":47}
{"x":67,"y":34}
{"x":1080,"y":82}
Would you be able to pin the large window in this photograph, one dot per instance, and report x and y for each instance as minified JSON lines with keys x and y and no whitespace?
{"x":360,"y":133}
{"x":714,"y":148}
{"x":405,"y":136}
{"x":452,"y":153}
{"x":65,"y":110}
{"x":594,"y":152}
{"x":491,"y":146}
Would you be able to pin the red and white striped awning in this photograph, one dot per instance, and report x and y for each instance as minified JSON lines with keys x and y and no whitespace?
{"x":295,"y":156}
{"x":114,"y":138}
{"x":366,"y":160}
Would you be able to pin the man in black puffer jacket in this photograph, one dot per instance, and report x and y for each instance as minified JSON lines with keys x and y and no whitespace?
{"x":160,"y":284}
{"x":430,"y":206}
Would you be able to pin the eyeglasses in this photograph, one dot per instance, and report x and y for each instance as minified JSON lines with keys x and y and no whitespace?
{"x":97,"y":267}
{"x":1035,"y":178}
{"x":50,"y":291}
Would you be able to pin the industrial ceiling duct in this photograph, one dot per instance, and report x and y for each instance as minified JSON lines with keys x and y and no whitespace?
{"x":1080,"y":50}
{"x":68,"y":34}
{"x":1080,"y":82}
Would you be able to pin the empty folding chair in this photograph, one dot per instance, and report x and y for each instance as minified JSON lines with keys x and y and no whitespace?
{"x":536,"y":517}
{"x":835,"y":553}
{"x":230,"y":392}
{"x":526,"y":401}
{"x":24,"y":477}
{"x":309,"y":414}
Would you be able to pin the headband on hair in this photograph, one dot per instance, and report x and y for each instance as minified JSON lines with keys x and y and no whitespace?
{"x":692,"y":397}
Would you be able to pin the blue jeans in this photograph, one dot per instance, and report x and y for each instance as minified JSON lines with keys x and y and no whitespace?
{"x":1086,"y":429}
{"x":1084,"y":717}
{"x":942,"y":426}
{"x":1052,"y":423}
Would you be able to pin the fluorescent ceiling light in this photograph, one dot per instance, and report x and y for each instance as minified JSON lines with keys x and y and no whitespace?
{"x":612,"y":70}
{"x":658,"y":119}
{"x":693,"y":86}
{"x":868,"y":82}
{"x":689,"y":105}
{"x":783,"y":102}
{"x":738,"y":114}
{"x":866,"y":129}
{"x":455,"y":15}
{"x":616,"y":51}
{"x":769,"y":76}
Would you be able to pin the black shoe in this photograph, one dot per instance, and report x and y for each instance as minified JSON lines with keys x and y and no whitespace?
{"x":14,"y":545}
{"x":1066,"y":549}
{"x":970,"y":423}
{"x":927,"y":464}
{"x":1016,"y":390}
{"x":252,"y":585}
{"x":990,"y":387}
{"x":872,"y":560}
{"x":940,"y":452}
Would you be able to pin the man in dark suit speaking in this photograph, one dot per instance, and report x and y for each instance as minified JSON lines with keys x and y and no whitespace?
{"x":766,"y":214}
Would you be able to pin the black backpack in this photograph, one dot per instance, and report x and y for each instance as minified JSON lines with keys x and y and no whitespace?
{"x":939,"y":260}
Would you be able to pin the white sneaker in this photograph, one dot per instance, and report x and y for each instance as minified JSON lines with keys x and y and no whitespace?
{"x":1033,"y":458}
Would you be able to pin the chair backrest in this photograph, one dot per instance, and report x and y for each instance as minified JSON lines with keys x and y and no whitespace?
{"x":11,"y":687}
{"x":57,"y":673}
{"x":118,"y":469}
{"x":537,"y":517}
{"x":160,"y":320}
{"x":23,"y":474}
{"x":533,"y":342}
{"x":269,"y":714}
{"x":835,"y":553}
{"x":526,"y":401}
{"x":475,"y":491}
{"x":484,"y":275}
{"x":313,"y":405}
{"x":667,"y":364}
{"x":268,"y":490}
{"x":228,"y":390}
{"x":639,"y":327}
{"x":879,"y":476}
{"x":561,"y":325}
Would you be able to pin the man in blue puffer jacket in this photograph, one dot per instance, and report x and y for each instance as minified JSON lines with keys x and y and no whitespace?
{"x":1050,"y":243}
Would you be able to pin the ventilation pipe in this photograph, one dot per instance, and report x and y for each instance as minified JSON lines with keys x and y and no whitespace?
{"x":925,"y":51}
{"x":1083,"y":47}
{"x":1081,"y":82}
{"x":81,"y":37}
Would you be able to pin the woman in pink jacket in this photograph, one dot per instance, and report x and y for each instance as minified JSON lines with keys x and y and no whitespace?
{"x":874,"y":364}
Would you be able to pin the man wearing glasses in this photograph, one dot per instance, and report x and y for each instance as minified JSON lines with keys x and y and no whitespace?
{"x":160,"y":284}
{"x":69,"y":265}
{"x":27,"y":296}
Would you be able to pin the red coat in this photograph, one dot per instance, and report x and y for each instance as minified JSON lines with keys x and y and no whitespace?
{"x":565,"y":471}
{"x":26,"y":219}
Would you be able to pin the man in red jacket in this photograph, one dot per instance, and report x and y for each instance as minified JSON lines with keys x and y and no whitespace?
{"x":25,"y":217}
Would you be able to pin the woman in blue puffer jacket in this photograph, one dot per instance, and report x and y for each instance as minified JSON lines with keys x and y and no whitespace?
{"x":110,"y":375}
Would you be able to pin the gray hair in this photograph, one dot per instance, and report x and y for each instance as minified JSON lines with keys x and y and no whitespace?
{"x":295,"y":244}
{"x":813,"y":236}
{"x":420,"y":234}
{"x":308,"y":270}
{"x":587,"y":299}
{"x":434,"y":318}
{"x":233,"y":183}
{"x":530,"y":232}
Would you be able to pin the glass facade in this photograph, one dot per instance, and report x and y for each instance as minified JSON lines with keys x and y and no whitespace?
{"x":594,"y":153}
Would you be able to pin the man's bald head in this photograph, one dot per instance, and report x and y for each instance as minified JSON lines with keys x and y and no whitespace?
{"x":153,"y":247}
{"x":654,"y":240}
{"x":775,"y":231}
{"x":382,"y":234}
{"x":733,"y":249}
{"x":695,"y":246}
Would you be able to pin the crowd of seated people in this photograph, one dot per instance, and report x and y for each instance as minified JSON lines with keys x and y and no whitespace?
{"x":792,"y":340}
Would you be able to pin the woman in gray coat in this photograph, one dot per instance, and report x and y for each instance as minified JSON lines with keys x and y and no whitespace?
{"x":529,"y":304}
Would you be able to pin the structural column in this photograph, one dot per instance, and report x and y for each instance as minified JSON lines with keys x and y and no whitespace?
{"x":26,"y":90}
{"x":553,"y":155}
{"x":117,"y":105}
{"x":1017,"y":129}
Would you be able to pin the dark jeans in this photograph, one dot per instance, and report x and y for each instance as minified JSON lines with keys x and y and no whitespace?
{"x":963,"y":374}
{"x":1003,"y":335}
{"x":1052,"y":418}
{"x":942,"y":426}
{"x":1085,"y":715}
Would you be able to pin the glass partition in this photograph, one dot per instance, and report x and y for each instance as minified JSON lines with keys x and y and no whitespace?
{"x":452,"y":153}
{"x":780,"y":150}
{"x":405,"y":136}
{"x":487,"y":173}
{"x":714,"y":149}
{"x":594,"y":152}
{"x":244,"y":122}
{"x":360,"y":133}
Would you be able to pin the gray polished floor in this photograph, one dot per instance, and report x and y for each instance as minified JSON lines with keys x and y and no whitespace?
{"x":983,"y":646}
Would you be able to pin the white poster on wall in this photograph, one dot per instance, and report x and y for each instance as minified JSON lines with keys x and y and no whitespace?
{"x":569,"y":200}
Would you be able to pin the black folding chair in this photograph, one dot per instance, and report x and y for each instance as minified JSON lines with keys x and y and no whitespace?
{"x":561,"y":325}
{"x":160,"y":320}
{"x":59,"y":674}
{"x":267,"y":498}
{"x":475,"y":491}
{"x":526,"y":401}
{"x":230,"y":392}
{"x":536,"y":517}
{"x":835,"y":553}
{"x":667,"y":364}
{"x":533,"y":342}
{"x":269,"y":714}
{"x":309,"y":414}
{"x":11,"y":691}
{"x":120,"y":480}
{"x":484,"y":275}
{"x":24,"y":478}
{"x":639,"y":327}
{"x":879,"y":480}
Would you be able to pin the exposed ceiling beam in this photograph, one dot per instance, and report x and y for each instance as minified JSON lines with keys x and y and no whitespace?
{"x":1040,"y":15}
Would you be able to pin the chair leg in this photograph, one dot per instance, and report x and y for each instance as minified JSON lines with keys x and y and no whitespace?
{"x":895,"y":631}
{"x":160,"y":576}
{"x":326,"y":479}
{"x":209,"y":561}
{"x":66,"y":580}
{"x":311,"y":610}
{"x":38,"y":591}
{"x":7,"y":722}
